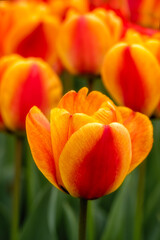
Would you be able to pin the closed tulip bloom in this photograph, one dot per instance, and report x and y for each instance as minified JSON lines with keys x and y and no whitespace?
{"x":89,"y":145}
{"x":34,"y":36}
{"x":25,"y":83}
{"x":82,"y":42}
{"x":131,"y":74}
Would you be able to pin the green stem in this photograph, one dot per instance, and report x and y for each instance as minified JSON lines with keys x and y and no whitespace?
{"x":82,"y":219}
{"x":29,"y":179}
{"x":90,"y":83}
{"x":138,"y":231}
{"x":90,"y":221}
{"x":16,"y":189}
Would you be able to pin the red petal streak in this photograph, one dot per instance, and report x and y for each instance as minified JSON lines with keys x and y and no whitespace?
{"x":32,"y":93}
{"x":34,"y":45}
{"x":1,"y":121}
{"x":131,"y":82}
{"x":98,"y":170}
{"x":83,"y":48}
{"x":134,"y":6}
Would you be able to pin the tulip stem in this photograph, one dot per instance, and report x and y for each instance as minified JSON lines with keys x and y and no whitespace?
{"x":138,"y":230}
{"x":16,"y":188}
{"x":90,"y":83}
{"x":82,"y":219}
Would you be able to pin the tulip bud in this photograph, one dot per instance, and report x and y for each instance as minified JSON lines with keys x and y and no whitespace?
{"x":25,"y":83}
{"x":131,"y":74}
{"x":82,"y":42}
{"x":34,"y":35}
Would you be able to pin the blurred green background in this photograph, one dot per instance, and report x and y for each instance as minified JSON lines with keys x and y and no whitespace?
{"x":47,"y":214}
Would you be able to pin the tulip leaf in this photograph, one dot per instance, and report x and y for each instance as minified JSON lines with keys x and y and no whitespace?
{"x":71,"y":222}
{"x":36,"y":226}
{"x":52,"y":212}
{"x":4,"y":222}
{"x":115,"y":224}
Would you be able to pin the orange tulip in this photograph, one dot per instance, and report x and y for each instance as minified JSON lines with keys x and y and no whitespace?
{"x":82,"y":42}
{"x":33,"y":36}
{"x":23,"y":84}
{"x":90,"y":145}
{"x":131,"y":74}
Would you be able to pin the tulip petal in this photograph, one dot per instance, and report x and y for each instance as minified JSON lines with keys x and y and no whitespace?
{"x":107,"y":113}
{"x":95,"y":160}
{"x":6,"y":61}
{"x":63,"y":125}
{"x":141,"y":132}
{"x":81,"y":103}
{"x":38,"y":134}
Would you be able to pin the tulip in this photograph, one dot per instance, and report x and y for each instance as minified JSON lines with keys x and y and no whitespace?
{"x":25,"y":83}
{"x":10,"y":13}
{"x":131,"y":74}
{"x":34,"y":35}
{"x":82,"y":42}
{"x":89,"y":145}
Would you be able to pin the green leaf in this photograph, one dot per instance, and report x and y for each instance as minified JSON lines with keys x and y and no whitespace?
{"x":52,"y":212}
{"x":36,"y":226}
{"x":71,"y":222}
{"x":114,"y":228}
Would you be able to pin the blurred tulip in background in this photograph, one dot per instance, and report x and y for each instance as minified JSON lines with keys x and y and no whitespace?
{"x":131,"y":73}
{"x":23,"y":84}
{"x":82,"y":42}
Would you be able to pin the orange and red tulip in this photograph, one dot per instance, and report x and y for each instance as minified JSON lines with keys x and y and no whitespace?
{"x":89,"y":145}
{"x":82,"y":42}
{"x":131,"y":74}
{"x":33,"y":36}
{"x":25,"y":83}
